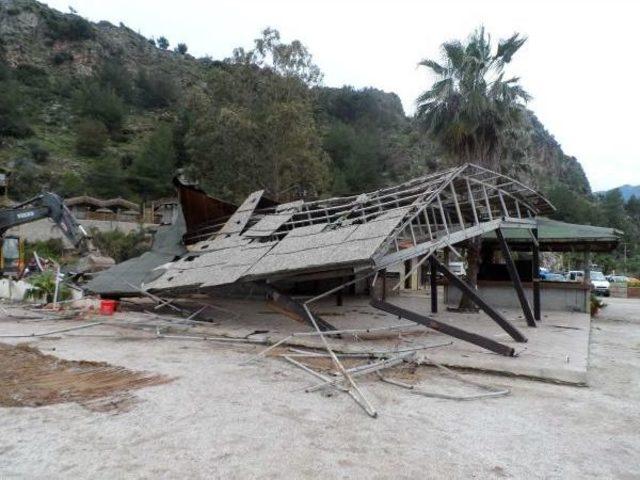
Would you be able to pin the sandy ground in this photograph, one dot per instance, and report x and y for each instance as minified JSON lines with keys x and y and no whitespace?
{"x":219,"y":419}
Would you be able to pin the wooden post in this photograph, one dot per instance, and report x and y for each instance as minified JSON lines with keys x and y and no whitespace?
{"x":535,"y":261}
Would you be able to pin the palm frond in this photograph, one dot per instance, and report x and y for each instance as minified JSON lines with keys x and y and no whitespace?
{"x":506,"y":48}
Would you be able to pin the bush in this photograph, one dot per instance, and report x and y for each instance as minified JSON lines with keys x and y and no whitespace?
{"x":38,"y":152}
{"x":44,"y":286}
{"x":91,"y":137}
{"x":100,"y":103}
{"x":69,"y":27}
{"x":182,"y":48}
{"x":32,"y":76}
{"x":62,"y":57}
{"x":155,"y":89}
{"x":12,"y":120}
{"x":163,"y":43}
{"x":52,"y":248}
{"x":120,"y":246}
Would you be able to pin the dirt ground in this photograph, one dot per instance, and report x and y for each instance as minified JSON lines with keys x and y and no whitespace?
{"x":221,"y":419}
{"x":28,"y":378}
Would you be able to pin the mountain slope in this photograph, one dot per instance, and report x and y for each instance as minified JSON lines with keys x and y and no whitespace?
{"x":97,"y":108}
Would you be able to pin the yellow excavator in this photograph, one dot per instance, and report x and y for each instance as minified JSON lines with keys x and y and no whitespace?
{"x":45,"y":205}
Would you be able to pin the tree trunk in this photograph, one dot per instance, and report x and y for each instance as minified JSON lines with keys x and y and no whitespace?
{"x":474,"y":247}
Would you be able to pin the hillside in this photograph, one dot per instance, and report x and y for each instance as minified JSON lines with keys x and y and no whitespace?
{"x":97,"y":108}
{"x":627,"y":191}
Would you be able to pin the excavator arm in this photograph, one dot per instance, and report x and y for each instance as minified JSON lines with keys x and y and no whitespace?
{"x":50,"y":205}
{"x":47,"y":205}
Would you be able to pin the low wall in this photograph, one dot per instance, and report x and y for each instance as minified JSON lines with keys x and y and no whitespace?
{"x":45,"y":229}
{"x":558,"y":296}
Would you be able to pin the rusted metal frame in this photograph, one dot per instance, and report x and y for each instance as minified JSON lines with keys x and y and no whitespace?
{"x":414,"y":184}
{"x":426,"y":217}
{"x":505,"y":210}
{"x":295,"y":308}
{"x":422,"y":202}
{"x":441,"y":242}
{"x":536,"y":274}
{"x":413,"y":236}
{"x":442,"y":215}
{"x":457,"y":205}
{"x":486,"y":199}
{"x":394,"y":196}
{"x":472,"y":201}
{"x":403,"y":277}
{"x":445,"y":328}
{"x":481,"y":303}
{"x":515,"y":278}
{"x":433,"y":284}
{"x":493,"y":187}
{"x":514,"y":181}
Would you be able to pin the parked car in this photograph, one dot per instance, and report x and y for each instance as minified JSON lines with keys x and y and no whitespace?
{"x":554,"y":277}
{"x":574,"y":276}
{"x":599,"y":284}
{"x":618,"y":279}
{"x":457,"y":268}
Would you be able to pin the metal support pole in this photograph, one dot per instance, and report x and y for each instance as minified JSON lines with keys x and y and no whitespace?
{"x":433,"y":283}
{"x":536,"y":274}
{"x":480,"y":302}
{"x":445,"y":328}
{"x":515,"y":278}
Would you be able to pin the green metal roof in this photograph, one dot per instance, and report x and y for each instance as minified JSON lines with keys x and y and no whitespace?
{"x":561,"y":236}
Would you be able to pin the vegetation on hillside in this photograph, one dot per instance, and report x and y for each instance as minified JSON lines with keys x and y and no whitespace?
{"x":99,"y":109}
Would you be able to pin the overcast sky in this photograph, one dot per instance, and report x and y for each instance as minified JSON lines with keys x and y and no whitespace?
{"x":580,"y":64}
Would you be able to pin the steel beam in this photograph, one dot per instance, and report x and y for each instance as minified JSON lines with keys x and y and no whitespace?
{"x":515,"y":278}
{"x":445,"y":328}
{"x":292,"y":309}
{"x":536,"y":274}
{"x":481,"y":303}
{"x":433,"y":283}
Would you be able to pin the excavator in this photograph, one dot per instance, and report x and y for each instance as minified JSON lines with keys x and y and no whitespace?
{"x":45,"y":205}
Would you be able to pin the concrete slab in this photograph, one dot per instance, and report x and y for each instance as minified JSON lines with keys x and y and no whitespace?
{"x":557,"y":350}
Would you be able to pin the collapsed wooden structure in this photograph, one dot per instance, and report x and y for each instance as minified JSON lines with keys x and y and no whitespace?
{"x":356,"y":238}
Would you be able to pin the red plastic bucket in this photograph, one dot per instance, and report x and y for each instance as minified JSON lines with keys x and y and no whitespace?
{"x":108,"y":307}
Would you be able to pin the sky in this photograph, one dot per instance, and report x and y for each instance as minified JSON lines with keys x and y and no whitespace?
{"x":580,"y":63}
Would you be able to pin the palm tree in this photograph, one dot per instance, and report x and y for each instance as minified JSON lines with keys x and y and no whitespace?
{"x":471,"y":108}
{"x":473,"y":112}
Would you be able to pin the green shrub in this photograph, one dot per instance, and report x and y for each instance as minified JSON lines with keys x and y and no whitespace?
{"x":12,"y":120}
{"x":182,"y":48}
{"x":163,"y":43}
{"x":38,"y":152}
{"x":100,"y":103}
{"x":44,"y":286}
{"x":120,"y":246}
{"x":62,"y":57}
{"x":32,"y":76}
{"x":91,"y":137}
{"x":155,"y":89}
{"x":52,"y":248}
{"x":69,"y":27}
